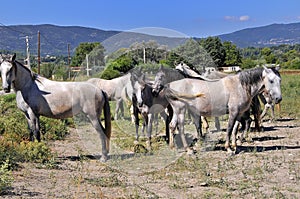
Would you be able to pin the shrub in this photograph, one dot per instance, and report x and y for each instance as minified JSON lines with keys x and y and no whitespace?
{"x":14,"y":134}
{"x":6,"y":178}
{"x":35,"y":152}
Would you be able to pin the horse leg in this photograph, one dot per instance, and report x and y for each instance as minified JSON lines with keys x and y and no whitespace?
{"x":34,"y":125}
{"x":198,"y":125}
{"x":150,"y":118}
{"x":206,"y":125}
{"x":172,"y":126}
{"x":118,"y":107}
{"x":272,"y":113}
{"x":37,"y":133}
{"x":231,"y":122}
{"x":121,"y":106}
{"x":267,"y":106}
{"x":255,"y":107}
{"x":30,"y":125}
{"x":136,"y":121}
{"x":217,"y":124}
{"x":234,"y":133}
{"x":167,"y":123}
{"x":100,"y":130}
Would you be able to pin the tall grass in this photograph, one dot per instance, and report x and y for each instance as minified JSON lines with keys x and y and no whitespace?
{"x":290,"y":88}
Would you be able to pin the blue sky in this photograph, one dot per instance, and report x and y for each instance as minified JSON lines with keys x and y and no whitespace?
{"x":193,"y":18}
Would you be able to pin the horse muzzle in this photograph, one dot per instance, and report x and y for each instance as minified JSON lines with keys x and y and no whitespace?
{"x":278,"y":100}
{"x":140,"y":104}
{"x":6,"y":89}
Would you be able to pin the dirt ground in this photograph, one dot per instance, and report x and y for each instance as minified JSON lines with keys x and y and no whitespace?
{"x":267,"y":166}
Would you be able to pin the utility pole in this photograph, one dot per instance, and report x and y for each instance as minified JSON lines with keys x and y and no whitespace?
{"x":27,"y":52}
{"x":87,"y":65}
{"x":144,"y":54}
{"x":69,"y":62}
{"x":39,"y":52}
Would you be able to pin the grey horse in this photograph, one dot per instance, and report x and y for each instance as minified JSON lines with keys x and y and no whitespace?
{"x":37,"y":96}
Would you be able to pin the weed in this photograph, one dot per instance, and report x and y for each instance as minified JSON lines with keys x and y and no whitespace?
{"x":107,"y":181}
{"x":6,"y":178}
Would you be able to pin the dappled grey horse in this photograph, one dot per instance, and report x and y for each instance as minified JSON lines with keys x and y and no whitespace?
{"x":167,"y":75}
{"x":37,"y":96}
{"x":145,"y":103}
{"x":232,"y":94}
{"x":118,"y":89}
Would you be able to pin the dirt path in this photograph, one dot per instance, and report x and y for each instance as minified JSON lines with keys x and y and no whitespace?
{"x":266,"y":167}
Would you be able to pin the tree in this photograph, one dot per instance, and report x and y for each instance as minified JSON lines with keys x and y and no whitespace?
{"x":233,"y":56}
{"x":215,"y":49}
{"x":268,"y":55}
{"x":86,"y":48}
{"x":146,"y":52}
{"x":248,"y":63}
{"x":194,"y":55}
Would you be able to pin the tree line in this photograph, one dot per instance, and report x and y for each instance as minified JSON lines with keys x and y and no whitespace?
{"x":197,"y":53}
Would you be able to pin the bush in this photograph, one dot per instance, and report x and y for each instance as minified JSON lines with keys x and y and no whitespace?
{"x":6,"y":178}
{"x":109,"y":73}
{"x":35,"y":152}
{"x":53,"y":129}
{"x":14,"y":134}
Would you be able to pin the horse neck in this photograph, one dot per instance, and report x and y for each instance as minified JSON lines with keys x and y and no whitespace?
{"x":254,"y":84}
{"x":23,"y":78}
{"x":148,"y":96}
{"x":173,"y":75}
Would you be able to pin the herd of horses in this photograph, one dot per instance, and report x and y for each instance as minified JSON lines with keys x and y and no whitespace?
{"x":172,"y":93}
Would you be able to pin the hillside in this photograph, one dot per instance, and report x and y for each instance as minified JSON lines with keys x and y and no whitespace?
{"x":274,"y":34}
{"x":54,"y":39}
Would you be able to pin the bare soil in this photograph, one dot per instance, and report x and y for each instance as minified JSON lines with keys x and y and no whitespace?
{"x":267,"y":166}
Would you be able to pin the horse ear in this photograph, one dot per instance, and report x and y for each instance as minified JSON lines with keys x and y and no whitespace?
{"x":13,"y":58}
{"x":142,"y":78}
{"x":277,"y":67}
{"x":267,"y":70}
{"x":161,"y":67}
{"x":1,"y":58}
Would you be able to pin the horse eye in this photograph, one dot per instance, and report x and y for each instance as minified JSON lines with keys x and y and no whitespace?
{"x":271,"y":81}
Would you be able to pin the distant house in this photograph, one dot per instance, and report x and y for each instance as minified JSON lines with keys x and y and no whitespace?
{"x":229,"y":69}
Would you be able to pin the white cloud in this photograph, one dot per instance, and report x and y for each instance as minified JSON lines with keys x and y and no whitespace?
{"x":244,"y":18}
{"x":230,"y":18}
{"x":237,"y":18}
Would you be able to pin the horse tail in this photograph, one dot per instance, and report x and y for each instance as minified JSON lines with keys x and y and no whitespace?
{"x":107,"y":119}
{"x":174,"y":95}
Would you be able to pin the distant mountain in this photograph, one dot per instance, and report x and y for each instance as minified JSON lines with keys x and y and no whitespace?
{"x":274,"y":34}
{"x":54,"y":39}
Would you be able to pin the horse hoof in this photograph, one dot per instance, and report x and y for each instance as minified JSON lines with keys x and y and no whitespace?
{"x":103,"y":158}
{"x":190,"y":151}
{"x":148,"y":145}
{"x":135,"y":142}
{"x":230,"y":152}
{"x":239,"y":142}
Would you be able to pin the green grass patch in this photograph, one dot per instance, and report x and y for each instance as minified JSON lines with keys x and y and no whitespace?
{"x":290,"y":104}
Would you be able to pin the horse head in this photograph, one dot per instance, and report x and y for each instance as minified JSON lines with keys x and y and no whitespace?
{"x":7,"y":69}
{"x":159,"y":81}
{"x":138,"y":84}
{"x":272,"y":82}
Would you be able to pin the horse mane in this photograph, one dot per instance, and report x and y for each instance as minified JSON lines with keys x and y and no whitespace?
{"x":172,"y":74}
{"x":33,"y":75}
{"x":251,"y":76}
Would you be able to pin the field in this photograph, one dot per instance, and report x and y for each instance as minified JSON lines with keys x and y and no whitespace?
{"x":266,"y":166}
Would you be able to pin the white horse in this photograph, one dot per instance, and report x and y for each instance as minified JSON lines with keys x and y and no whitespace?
{"x":118,"y":89}
{"x":37,"y":96}
{"x":232,"y":94}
